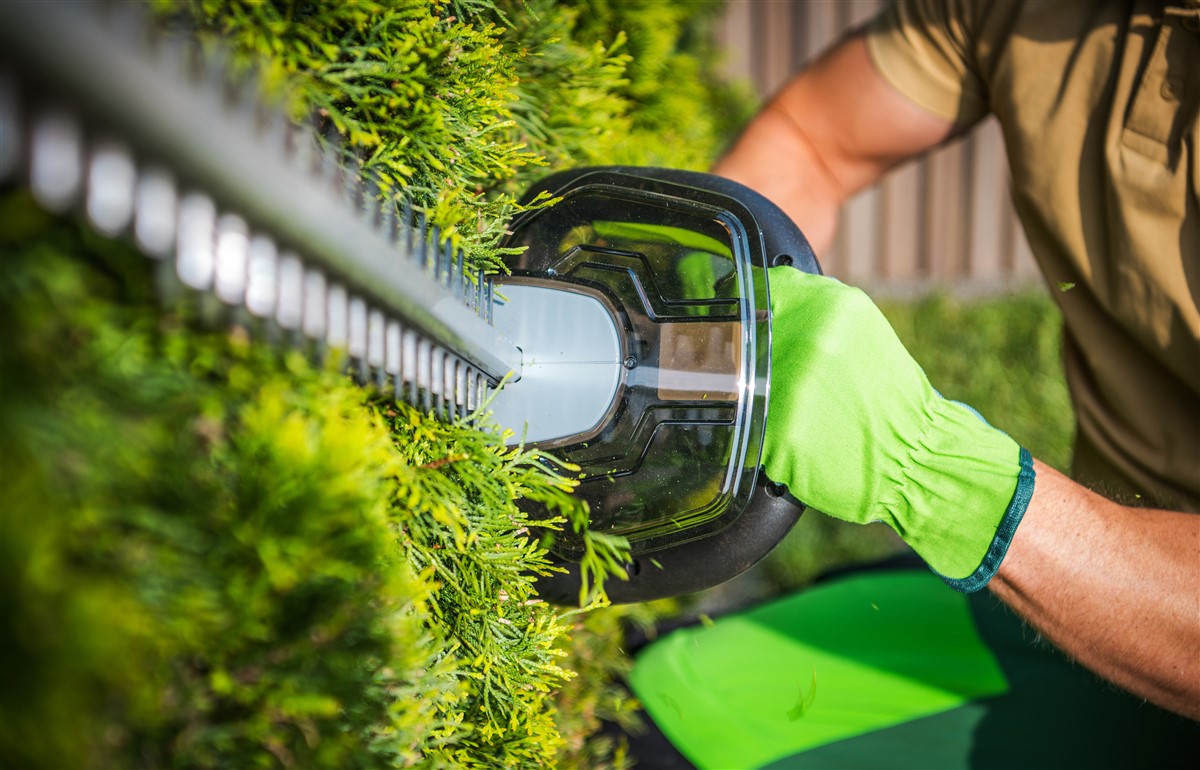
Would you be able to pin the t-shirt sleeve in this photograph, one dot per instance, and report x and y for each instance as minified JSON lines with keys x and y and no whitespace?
{"x":924,"y":49}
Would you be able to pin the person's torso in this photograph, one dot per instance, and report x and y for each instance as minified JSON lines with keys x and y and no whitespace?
{"x":1099,"y":105}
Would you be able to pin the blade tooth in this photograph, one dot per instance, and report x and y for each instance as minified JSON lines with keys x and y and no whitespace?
{"x":480,"y":286}
{"x":156,"y":212}
{"x":292,"y":292}
{"x":358,"y":342}
{"x":393,"y":350}
{"x":448,"y":265}
{"x":446,"y":394}
{"x":424,"y":373}
{"x":262,"y":276}
{"x":330,"y":168}
{"x":248,"y":97}
{"x":215,"y":85}
{"x":464,"y":388}
{"x":421,"y":244}
{"x":429,"y":395}
{"x":56,"y":159}
{"x":112,"y":180}
{"x":481,"y":393}
{"x":435,"y":379}
{"x":405,"y":228}
{"x":372,"y":211}
{"x":469,"y":389}
{"x":395,"y":358}
{"x":460,"y":277}
{"x":191,"y":59}
{"x":11,"y":142}
{"x":436,"y":363}
{"x":433,"y":265}
{"x":450,"y":376}
{"x":488,"y":294}
{"x":409,"y":357}
{"x":315,"y":316}
{"x":213,"y":67}
{"x":128,"y":23}
{"x":233,"y":244}
{"x":443,"y":261}
{"x":449,"y":389}
{"x":460,"y":388}
{"x":352,"y":188}
{"x":387,"y":219}
{"x":275,"y":130}
{"x":302,"y":146}
{"x":468,"y":394}
{"x":195,"y":247}
{"x":336,"y":321}
{"x":376,"y":330}
{"x":174,"y":56}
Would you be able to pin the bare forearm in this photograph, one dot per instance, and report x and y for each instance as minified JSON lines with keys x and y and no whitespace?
{"x":833,"y":130}
{"x":774,"y":158}
{"x":1116,"y":588}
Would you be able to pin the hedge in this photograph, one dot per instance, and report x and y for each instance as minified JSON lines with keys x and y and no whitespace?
{"x":218,"y":554}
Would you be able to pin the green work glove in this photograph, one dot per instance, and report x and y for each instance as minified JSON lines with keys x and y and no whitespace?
{"x":854,"y":429}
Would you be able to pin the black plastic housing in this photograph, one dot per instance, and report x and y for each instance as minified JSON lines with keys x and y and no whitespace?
{"x":675,"y":255}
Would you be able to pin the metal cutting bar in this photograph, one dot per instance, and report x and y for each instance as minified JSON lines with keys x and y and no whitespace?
{"x":231,"y":183}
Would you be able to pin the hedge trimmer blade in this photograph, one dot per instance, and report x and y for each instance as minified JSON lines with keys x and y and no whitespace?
{"x":150,"y":139}
{"x":639,"y":301}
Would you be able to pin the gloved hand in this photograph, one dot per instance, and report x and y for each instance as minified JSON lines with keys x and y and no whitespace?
{"x":854,"y":429}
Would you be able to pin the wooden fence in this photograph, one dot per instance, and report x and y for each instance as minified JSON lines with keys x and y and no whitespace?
{"x":944,"y":220}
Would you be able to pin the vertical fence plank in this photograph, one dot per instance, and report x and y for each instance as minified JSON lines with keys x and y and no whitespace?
{"x":859,"y":12}
{"x":860,"y":236}
{"x":775,"y":43}
{"x":903,"y":239}
{"x":988,"y":240}
{"x":945,"y":224}
{"x":823,"y":24}
{"x":863,"y":215}
{"x":735,"y":39}
{"x":801,"y":50}
{"x":947,"y":218}
{"x":1024,"y":265}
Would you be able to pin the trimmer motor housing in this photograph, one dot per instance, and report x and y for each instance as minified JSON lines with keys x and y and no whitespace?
{"x":640,"y":304}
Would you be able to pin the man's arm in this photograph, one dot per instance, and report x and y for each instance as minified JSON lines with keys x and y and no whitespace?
{"x":857,"y":431}
{"x":835,"y":129}
{"x":1116,"y":588}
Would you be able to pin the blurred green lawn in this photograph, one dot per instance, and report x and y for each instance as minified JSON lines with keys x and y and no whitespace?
{"x":1001,"y":355}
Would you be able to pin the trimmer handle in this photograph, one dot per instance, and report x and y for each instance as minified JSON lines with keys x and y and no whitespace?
{"x":759,"y":513}
{"x":782,"y":239}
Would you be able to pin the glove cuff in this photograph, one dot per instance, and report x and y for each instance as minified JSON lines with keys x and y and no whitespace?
{"x":1004,"y":532}
{"x":958,"y":493}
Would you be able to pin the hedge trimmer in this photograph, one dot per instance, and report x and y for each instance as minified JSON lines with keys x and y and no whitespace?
{"x":631,"y":336}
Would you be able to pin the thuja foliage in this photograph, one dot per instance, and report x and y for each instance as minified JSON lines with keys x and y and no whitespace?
{"x":216,"y":554}
{"x":460,"y":105}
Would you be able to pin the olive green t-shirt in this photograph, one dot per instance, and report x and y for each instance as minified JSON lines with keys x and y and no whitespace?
{"x":1098,"y":102}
